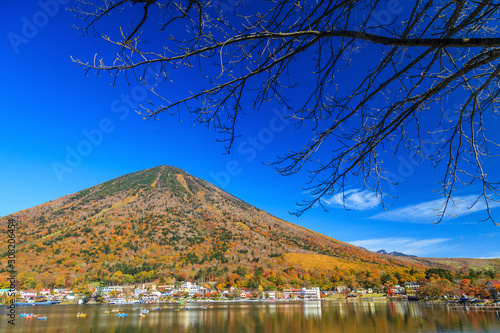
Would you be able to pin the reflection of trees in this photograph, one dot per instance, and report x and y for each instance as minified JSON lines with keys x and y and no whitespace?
{"x":294,"y":317}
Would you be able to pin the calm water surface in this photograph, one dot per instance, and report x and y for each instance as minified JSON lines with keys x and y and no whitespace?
{"x":288,"y":317}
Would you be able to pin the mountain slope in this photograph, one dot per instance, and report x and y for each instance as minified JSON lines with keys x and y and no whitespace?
{"x":165,"y":223}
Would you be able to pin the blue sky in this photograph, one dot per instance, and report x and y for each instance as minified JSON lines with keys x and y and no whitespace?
{"x":50,"y":111}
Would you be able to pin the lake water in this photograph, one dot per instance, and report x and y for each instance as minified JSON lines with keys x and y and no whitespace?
{"x":288,"y":317}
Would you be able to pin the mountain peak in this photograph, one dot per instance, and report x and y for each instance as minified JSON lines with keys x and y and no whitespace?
{"x":395,"y":253}
{"x":164,"y":222}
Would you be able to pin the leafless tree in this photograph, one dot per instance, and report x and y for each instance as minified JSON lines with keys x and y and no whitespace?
{"x":426,"y":54}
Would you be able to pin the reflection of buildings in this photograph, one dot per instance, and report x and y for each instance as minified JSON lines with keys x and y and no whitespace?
{"x":189,"y":318}
{"x":400,"y":308}
{"x":415,"y":310}
{"x":312,"y":309}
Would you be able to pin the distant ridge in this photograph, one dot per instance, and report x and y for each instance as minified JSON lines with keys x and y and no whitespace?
{"x":396,"y":254}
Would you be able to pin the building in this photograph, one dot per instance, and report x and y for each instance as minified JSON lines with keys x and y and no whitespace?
{"x":191,"y":289}
{"x":493,"y":287}
{"x":45,"y":292}
{"x":343,"y":289}
{"x":139,"y":291}
{"x":62,"y":291}
{"x":29,"y":295}
{"x":292,"y":293}
{"x":107,"y":290}
{"x":6,"y":291}
{"x":412,"y":286}
{"x":271,"y":294}
{"x":492,"y":283}
{"x":313,"y":293}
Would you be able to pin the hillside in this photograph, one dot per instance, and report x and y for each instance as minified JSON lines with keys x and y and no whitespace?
{"x":163,"y":223}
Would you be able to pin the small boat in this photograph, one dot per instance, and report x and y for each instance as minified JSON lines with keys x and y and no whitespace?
{"x":106,"y":311}
{"x":115,"y":310}
{"x":42,"y":318}
{"x":121,"y":315}
{"x":186,"y":308}
{"x":144,"y":311}
{"x":83,"y":315}
{"x":177,"y":309}
{"x":142,"y":315}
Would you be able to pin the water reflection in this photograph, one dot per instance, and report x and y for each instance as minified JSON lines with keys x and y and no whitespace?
{"x":312,"y":309}
{"x":289,"y":317}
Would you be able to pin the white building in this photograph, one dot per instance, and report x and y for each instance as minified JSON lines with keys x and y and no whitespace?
{"x":191,"y":288}
{"x":107,"y":290}
{"x":62,"y":291}
{"x":412,"y":286}
{"x":139,"y":291}
{"x":30,"y":294}
{"x":313,"y":293}
{"x":272,"y":294}
{"x":45,"y":292}
{"x":342,"y":289}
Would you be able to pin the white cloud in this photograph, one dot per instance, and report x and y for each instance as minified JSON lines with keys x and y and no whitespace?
{"x":427,"y":212}
{"x":411,"y":246}
{"x":354,"y":199}
{"x":492,"y":256}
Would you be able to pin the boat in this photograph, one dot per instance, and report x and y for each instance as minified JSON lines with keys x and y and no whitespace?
{"x":42,"y":318}
{"x":121,"y":314}
{"x":142,"y":314}
{"x":83,"y":315}
{"x":106,"y":311}
{"x":186,"y":308}
{"x":115,"y":310}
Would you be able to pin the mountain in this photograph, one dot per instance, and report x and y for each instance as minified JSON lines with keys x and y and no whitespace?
{"x":395,"y":253}
{"x":163,"y":223}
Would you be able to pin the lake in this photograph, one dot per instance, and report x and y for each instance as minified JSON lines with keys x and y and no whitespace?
{"x":289,"y":317}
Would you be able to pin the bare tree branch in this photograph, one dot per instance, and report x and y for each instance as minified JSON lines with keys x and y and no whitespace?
{"x":430,"y":52}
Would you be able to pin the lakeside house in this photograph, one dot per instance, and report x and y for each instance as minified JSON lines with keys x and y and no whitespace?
{"x":411,"y":286}
{"x":107,"y":290}
{"x":492,"y":283}
{"x":271,"y":294}
{"x":292,"y":293}
{"x":45,"y":292}
{"x":493,"y":287}
{"x":29,"y":295}
{"x":139,"y":291}
{"x":191,"y":289}
{"x":311,"y":293}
